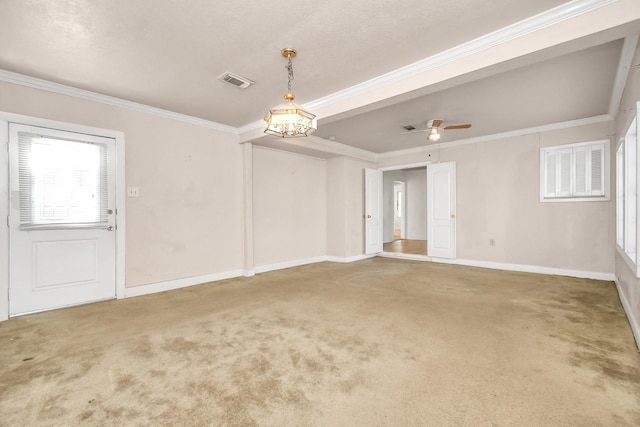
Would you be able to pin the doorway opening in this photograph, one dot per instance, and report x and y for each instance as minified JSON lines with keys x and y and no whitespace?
{"x":435,"y":203}
{"x":405,"y":211}
{"x":399,"y":224}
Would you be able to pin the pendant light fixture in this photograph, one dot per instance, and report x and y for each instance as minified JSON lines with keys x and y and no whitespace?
{"x":289,"y":120}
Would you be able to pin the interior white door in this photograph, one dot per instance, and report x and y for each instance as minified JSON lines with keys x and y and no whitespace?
{"x":441,"y":210}
{"x":62,"y":247}
{"x":373,"y":211}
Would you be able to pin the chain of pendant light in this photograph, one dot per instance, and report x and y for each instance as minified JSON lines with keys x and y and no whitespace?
{"x":289,"y":68}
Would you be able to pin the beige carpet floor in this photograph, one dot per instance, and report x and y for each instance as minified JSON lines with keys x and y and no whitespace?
{"x":381,"y":342}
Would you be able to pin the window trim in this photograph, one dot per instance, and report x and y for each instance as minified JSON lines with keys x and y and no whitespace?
{"x":633,"y":265}
{"x":605,"y":162}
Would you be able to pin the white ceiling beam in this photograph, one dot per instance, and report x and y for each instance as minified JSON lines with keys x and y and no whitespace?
{"x":568,"y":22}
{"x":482,"y":50}
{"x":624,"y":66}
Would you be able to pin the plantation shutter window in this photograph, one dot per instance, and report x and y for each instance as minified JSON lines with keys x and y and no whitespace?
{"x":597,"y":170}
{"x":565,"y":173}
{"x":581,"y":171}
{"x":550,"y":161}
{"x":575,"y":171}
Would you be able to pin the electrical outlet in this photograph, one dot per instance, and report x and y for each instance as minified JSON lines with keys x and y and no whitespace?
{"x":133,"y":192}
{"x":492,"y":242}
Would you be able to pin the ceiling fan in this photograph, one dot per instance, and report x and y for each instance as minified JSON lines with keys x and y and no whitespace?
{"x":434,"y":128}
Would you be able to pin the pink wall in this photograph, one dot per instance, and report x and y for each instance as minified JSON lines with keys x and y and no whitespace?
{"x":498,"y":198}
{"x":187,"y":220}
{"x":345,"y":207}
{"x":289,"y":206}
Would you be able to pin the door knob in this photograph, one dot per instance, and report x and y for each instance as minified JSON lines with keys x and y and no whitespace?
{"x":110,"y":228}
{"x":368,"y":216}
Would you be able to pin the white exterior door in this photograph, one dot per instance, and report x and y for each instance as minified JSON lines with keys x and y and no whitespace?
{"x":441,"y":210}
{"x":373,"y":211}
{"x":62,"y":244}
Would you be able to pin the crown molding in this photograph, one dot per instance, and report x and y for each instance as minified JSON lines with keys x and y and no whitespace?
{"x":250,"y":127}
{"x":35,"y":83}
{"x":532,"y":24}
{"x":510,"y":134}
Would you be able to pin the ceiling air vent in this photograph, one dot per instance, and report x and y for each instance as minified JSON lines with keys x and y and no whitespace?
{"x":236,"y":80}
{"x":409,"y":128}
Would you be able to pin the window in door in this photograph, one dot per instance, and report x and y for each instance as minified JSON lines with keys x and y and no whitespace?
{"x":62,"y":182}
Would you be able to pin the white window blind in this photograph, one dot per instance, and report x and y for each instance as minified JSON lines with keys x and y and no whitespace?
{"x":62,"y":182}
{"x":574,"y":171}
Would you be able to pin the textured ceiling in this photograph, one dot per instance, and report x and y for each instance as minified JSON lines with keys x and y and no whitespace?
{"x":168,"y":54}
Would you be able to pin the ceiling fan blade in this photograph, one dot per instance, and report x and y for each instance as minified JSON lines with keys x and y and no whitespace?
{"x":467,"y":126}
{"x":414,"y":131}
{"x":436,"y":123}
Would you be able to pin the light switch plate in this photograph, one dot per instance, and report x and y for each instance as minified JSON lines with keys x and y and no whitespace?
{"x":133,"y":192}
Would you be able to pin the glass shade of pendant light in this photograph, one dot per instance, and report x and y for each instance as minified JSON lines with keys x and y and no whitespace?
{"x":289,"y":120}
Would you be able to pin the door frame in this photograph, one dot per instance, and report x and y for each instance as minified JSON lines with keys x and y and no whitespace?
{"x":373,"y":212}
{"x":5,"y":118}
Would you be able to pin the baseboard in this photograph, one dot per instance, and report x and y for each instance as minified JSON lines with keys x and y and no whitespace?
{"x":304,"y":261}
{"x":635,"y":327}
{"x":530,"y":269}
{"x":472,"y":263}
{"x":169,"y":285}
{"x":350,"y":258}
{"x":505,"y":266}
{"x":198,"y":280}
{"x":288,"y":264}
